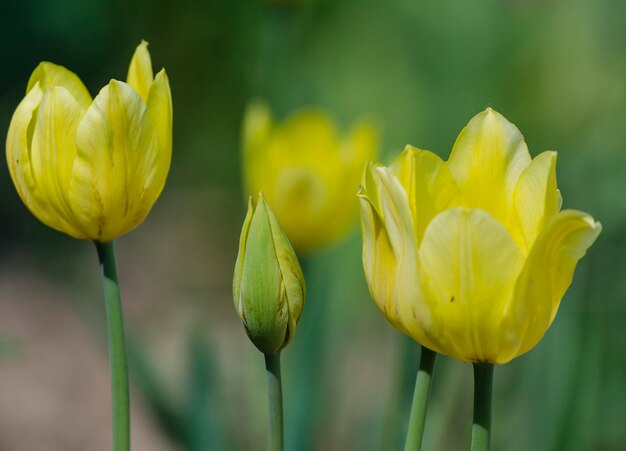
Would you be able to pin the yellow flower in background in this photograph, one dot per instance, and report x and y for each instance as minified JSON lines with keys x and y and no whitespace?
{"x":92,"y":168}
{"x":268,"y":285}
{"x":306,"y":171}
{"x":471,"y":257}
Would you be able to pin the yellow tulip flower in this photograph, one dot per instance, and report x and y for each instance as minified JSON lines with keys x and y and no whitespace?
{"x":305,"y":169}
{"x":92,"y":168}
{"x":471,"y":257}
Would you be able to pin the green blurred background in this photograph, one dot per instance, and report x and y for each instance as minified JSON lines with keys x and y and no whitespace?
{"x":422,"y":69}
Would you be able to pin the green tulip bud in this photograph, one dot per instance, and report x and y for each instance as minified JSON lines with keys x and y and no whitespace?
{"x":268,"y":285}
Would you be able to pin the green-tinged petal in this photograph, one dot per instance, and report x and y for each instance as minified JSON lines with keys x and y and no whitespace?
{"x":390,"y":254}
{"x":238,"y":274}
{"x":535,"y":201}
{"x":487,"y":159}
{"x":53,"y":151}
{"x":469,"y":264}
{"x":22,"y":133}
{"x":114,"y":184}
{"x":360,"y":146}
{"x":140,"y":73}
{"x":19,"y":138}
{"x":263,"y":293}
{"x":161,"y":116}
{"x":293,"y":279}
{"x":547,"y":274}
{"x":257,"y":125}
{"x":429,"y":184}
{"x":49,"y":75}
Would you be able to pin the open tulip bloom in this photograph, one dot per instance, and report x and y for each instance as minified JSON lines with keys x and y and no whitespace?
{"x":471,"y":256}
{"x":303,"y":166}
{"x":93,"y":168}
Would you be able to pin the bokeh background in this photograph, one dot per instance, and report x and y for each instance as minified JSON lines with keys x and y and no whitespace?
{"x":422,"y":69}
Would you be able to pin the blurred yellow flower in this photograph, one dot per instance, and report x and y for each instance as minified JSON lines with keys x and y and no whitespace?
{"x":471,"y":257}
{"x":268,"y":285}
{"x":306,"y":171}
{"x":92,"y":168}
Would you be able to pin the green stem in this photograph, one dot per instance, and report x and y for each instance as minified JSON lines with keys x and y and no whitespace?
{"x":481,"y":429}
{"x":420,"y":400}
{"x":117,"y":350}
{"x":275,"y":392}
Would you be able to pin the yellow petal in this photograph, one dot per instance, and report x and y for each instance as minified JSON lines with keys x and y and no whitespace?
{"x":487,"y":159}
{"x":469,"y":264}
{"x":140,"y":73}
{"x":390,"y":253}
{"x":257,"y":125}
{"x":53,"y":151}
{"x":536,"y":200}
{"x":114,"y":184}
{"x":19,"y":138}
{"x":429,"y":184}
{"x":360,"y":146}
{"x":161,"y":116}
{"x":547,"y":274}
{"x":49,"y":75}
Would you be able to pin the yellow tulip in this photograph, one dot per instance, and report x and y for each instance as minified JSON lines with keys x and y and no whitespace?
{"x":305,"y":169}
{"x":92,"y":168}
{"x":471,"y":257}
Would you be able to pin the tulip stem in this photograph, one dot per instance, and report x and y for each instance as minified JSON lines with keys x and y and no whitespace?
{"x":275,"y":392}
{"x":420,"y":400}
{"x":483,"y":385}
{"x":117,"y":350}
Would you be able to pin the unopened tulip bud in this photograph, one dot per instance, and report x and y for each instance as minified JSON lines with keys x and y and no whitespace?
{"x":268,"y":285}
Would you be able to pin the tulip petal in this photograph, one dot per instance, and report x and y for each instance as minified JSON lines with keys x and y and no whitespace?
{"x":429,"y":184}
{"x":53,"y":150}
{"x":487,"y":159}
{"x":114,"y":184}
{"x":546,"y":275}
{"x":238,"y":274}
{"x":257,"y":125}
{"x":390,"y":252}
{"x":468,"y":265}
{"x":140,"y":73}
{"x":536,"y":200}
{"x":49,"y":75}
{"x":19,"y":139}
{"x":161,"y":116}
{"x":293,"y":279}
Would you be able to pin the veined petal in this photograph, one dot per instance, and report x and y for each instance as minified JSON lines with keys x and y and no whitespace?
{"x":49,"y":75}
{"x":53,"y":150}
{"x":292,"y":277}
{"x":390,"y":253}
{"x":487,"y":159}
{"x":161,"y":117}
{"x":535,"y":201}
{"x":140,"y":73}
{"x":428,"y":183}
{"x":114,"y":185}
{"x":468,"y":267}
{"x":547,"y":274}
{"x":19,"y":138}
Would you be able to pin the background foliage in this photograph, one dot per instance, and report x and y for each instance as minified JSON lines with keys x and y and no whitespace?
{"x":422,"y":69}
